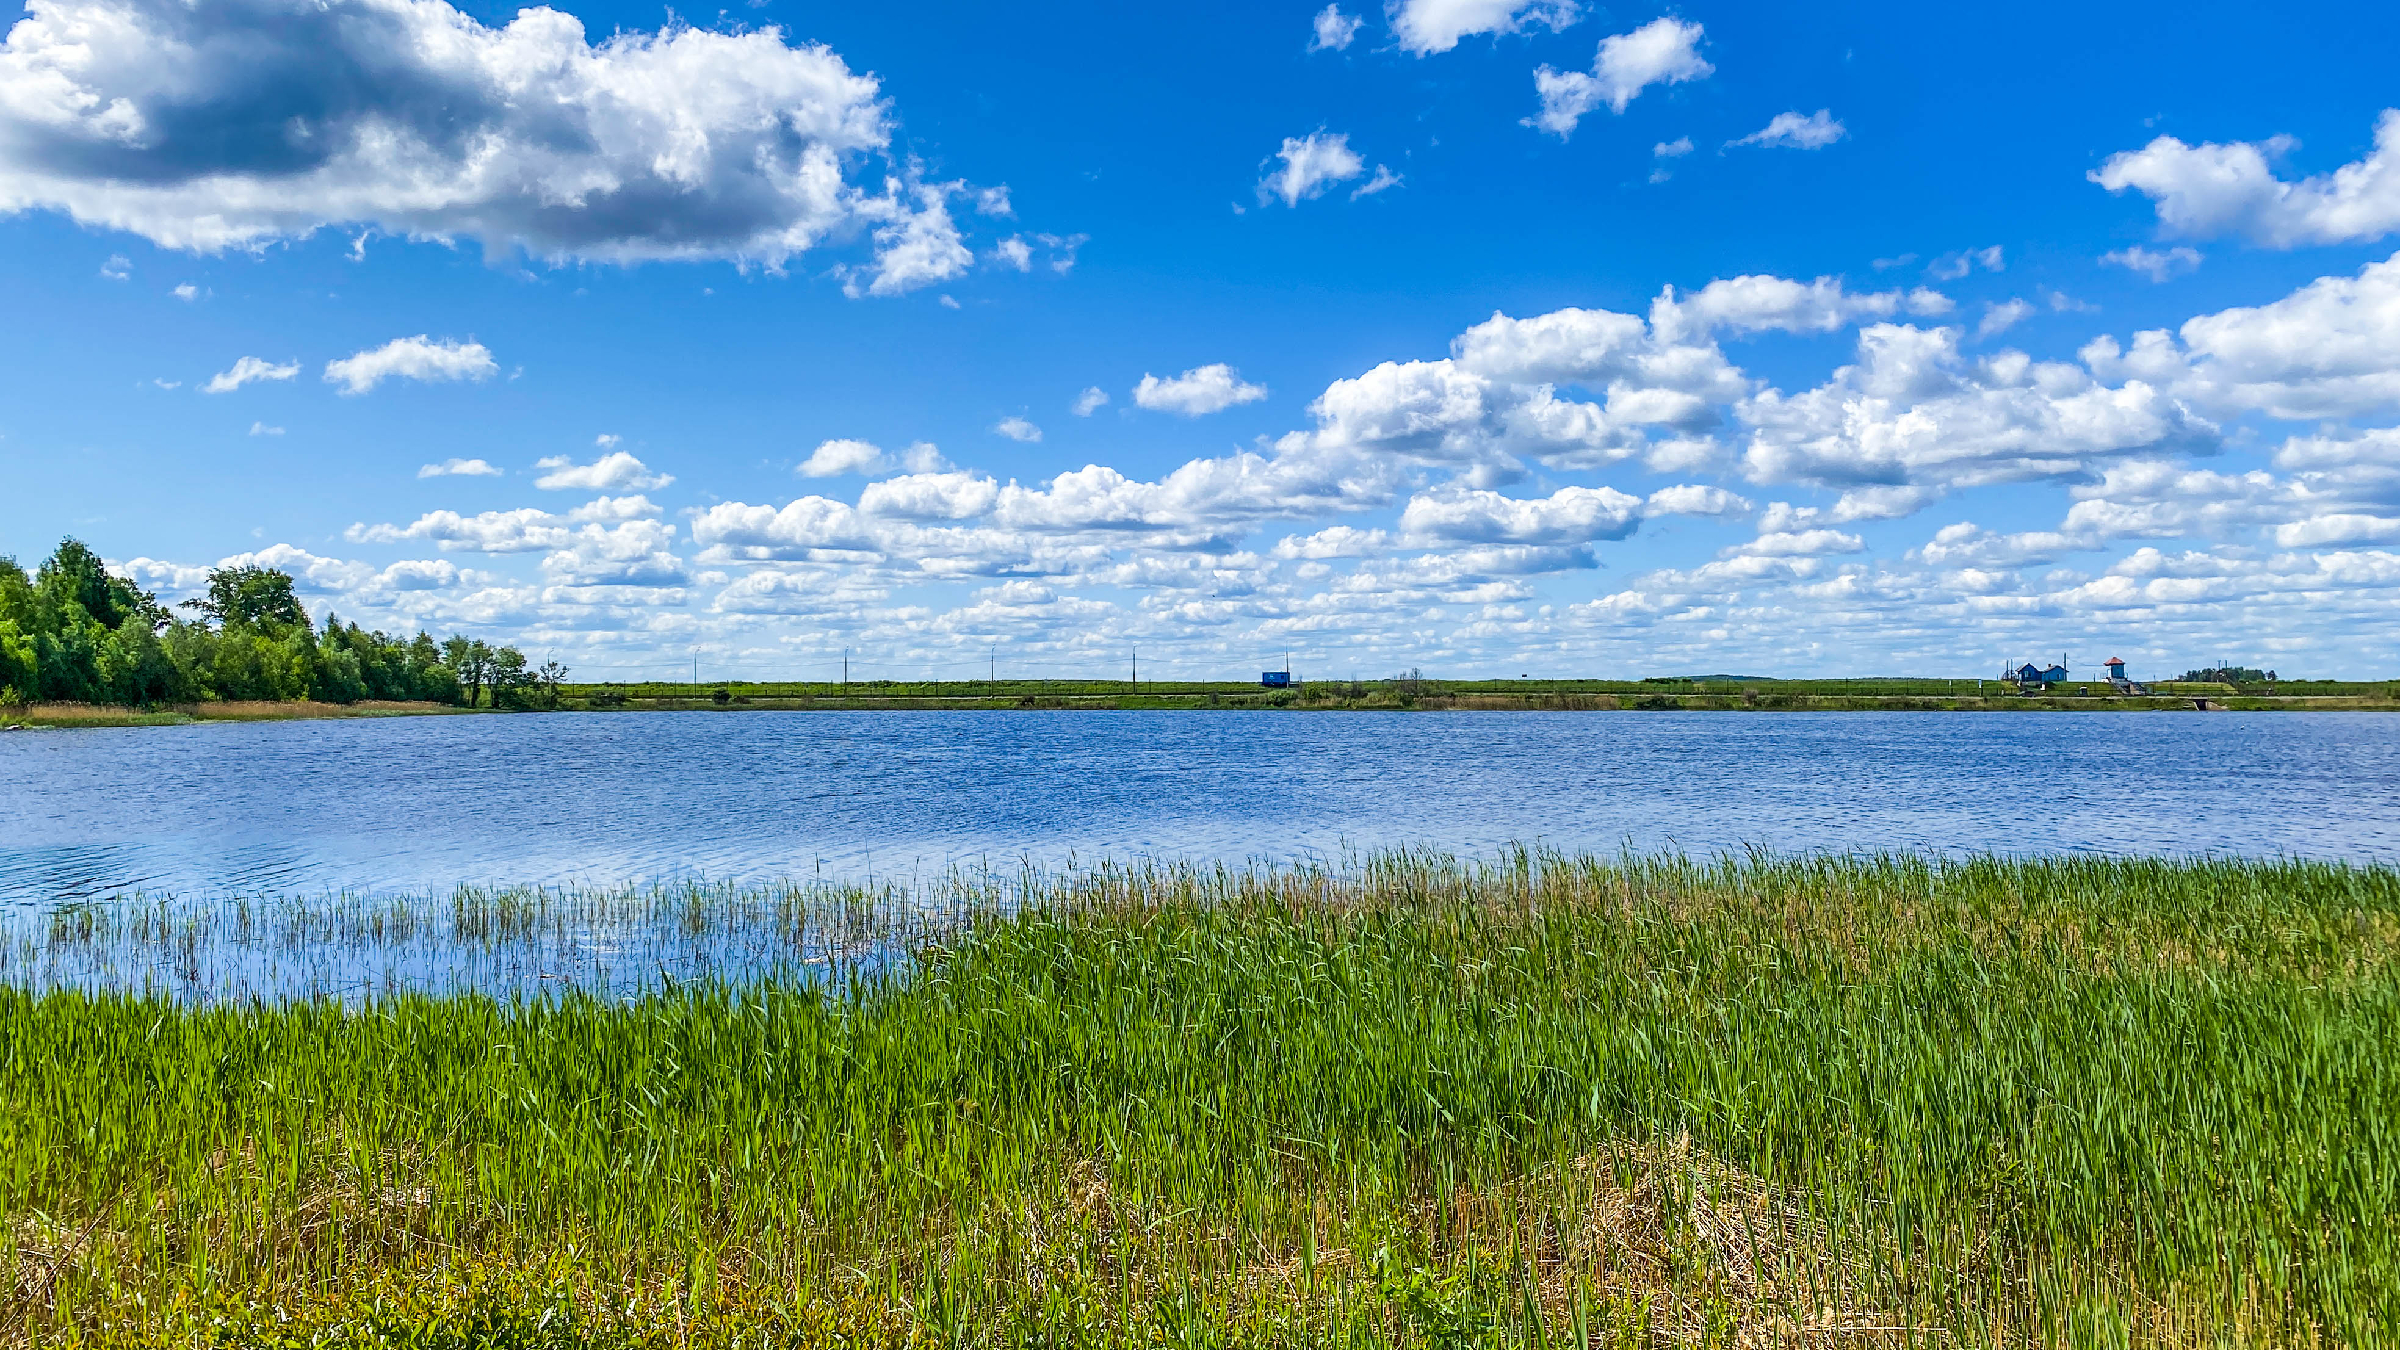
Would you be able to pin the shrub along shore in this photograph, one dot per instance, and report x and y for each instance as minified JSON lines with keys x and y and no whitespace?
{"x":1544,"y":1101}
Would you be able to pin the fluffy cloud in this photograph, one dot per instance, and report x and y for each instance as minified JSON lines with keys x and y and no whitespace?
{"x":1314,"y":163}
{"x":2007,"y":314}
{"x":1952,"y":266}
{"x":2211,"y":189}
{"x":930,"y":496}
{"x":1428,"y":26}
{"x":1018,"y":429}
{"x":524,"y":530}
{"x":1912,"y":411}
{"x":1496,"y":397}
{"x":913,"y":248}
{"x":232,"y":123}
{"x":634,"y":553}
{"x":1754,"y":304}
{"x":1405,"y":519}
{"x":1796,"y":131}
{"x":2329,"y":349}
{"x":1335,"y":541}
{"x":248,"y":370}
{"x":807,"y":528}
{"x":612,"y":472}
{"x":1333,"y":30}
{"x":1197,"y":392}
{"x":464,"y":468}
{"x":1572,"y":515}
{"x":1204,"y":504}
{"x":1664,"y":51}
{"x":1090,"y":401}
{"x":411,"y":358}
{"x":833,"y":459}
{"x":2157,"y":264}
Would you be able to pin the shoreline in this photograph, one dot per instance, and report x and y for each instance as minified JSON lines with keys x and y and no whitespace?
{"x":68,"y":716}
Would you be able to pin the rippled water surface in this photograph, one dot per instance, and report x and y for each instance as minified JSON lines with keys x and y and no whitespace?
{"x":424,"y":804}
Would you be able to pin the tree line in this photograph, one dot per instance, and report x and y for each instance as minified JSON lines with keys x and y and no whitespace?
{"x":73,"y":633}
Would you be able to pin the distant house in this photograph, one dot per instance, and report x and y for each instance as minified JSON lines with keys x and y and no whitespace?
{"x":2032,"y":676}
{"x":1275,"y":679}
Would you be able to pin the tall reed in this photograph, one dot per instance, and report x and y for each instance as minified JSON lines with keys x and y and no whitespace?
{"x":1540,"y":1101}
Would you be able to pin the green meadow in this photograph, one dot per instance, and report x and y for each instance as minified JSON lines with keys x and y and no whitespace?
{"x":1541,"y":1101}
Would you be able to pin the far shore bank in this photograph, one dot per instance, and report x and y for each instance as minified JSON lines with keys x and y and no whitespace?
{"x":1331,"y":696}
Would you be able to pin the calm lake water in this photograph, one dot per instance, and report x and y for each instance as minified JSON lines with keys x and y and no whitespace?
{"x":424,"y":804}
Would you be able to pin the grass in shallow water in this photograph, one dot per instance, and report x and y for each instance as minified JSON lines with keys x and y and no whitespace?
{"x":1543,"y":1102}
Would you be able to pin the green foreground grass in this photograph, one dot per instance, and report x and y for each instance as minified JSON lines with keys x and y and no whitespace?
{"x":1545,"y":1102}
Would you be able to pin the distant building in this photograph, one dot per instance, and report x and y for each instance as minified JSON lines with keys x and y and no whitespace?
{"x":2032,"y":676}
{"x":1275,"y":679}
{"x":2118,"y":678}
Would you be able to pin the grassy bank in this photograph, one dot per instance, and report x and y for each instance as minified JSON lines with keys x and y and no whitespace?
{"x":1878,"y":695}
{"x":1327,"y":696}
{"x":184,"y":714}
{"x":1552,"y":1101}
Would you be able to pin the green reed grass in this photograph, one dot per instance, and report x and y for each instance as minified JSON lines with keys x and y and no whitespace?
{"x":1544,"y":1101}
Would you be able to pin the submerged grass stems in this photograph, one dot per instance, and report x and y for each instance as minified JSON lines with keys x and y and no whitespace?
{"x":521,"y":940}
{"x":1544,"y":1101}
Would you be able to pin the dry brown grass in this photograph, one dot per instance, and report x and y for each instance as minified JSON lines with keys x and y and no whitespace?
{"x":242,"y":710}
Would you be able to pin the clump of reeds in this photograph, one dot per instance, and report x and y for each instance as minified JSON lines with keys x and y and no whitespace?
{"x":1536,"y":1102}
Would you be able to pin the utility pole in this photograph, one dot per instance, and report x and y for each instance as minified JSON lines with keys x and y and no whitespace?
{"x":1137,"y":670}
{"x":845,"y":667}
{"x":995,"y":675}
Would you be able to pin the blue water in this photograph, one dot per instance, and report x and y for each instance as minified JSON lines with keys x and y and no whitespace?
{"x":424,"y":804}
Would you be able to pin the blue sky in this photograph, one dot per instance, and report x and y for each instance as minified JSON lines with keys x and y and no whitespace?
{"x":771,"y":337}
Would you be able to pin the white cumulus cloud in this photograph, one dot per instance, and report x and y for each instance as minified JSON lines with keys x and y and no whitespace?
{"x":834,"y":458}
{"x":1018,"y":429}
{"x":1197,"y":392}
{"x":913,"y":248}
{"x":1796,"y":131}
{"x":248,"y":370}
{"x":1090,"y":401}
{"x":1333,"y":30}
{"x":411,"y":358}
{"x":459,"y":468}
{"x":1663,"y":51}
{"x":2154,"y":263}
{"x":1428,"y":26}
{"x":612,"y":472}
{"x":2232,"y":189}
{"x":2329,"y":349}
{"x":1312,"y":164}
{"x":213,"y":124}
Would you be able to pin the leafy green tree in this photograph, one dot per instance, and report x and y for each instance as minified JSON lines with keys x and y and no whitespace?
{"x":251,"y":597}
{"x":72,"y":632}
{"x":69,"y":656}
{"x":471,"y":662}
{"x":549,"y":678}
{"x":136,"y":669}
{"x":75,"y":576}
{"x":511,"y":682}
{"x":20,"y":666}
